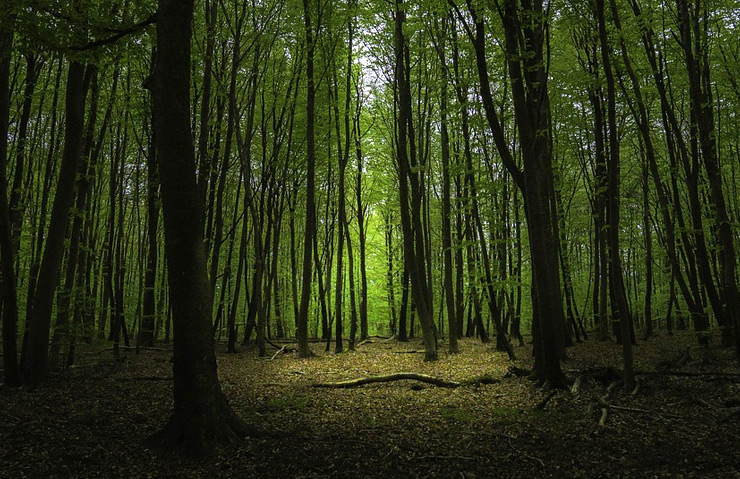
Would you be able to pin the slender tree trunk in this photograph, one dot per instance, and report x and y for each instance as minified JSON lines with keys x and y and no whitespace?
{"x":412,"y":227}
{"x":310,"y":228}
{"x":390,"y":274}
{"x":702,"y":104}
{"x":36,"y":342}
{"x":86,"y":170}
{"x":149,"y":307}
{"x":615,"y":265}
{"x":449,"y":293}
{"x":9,"y":286}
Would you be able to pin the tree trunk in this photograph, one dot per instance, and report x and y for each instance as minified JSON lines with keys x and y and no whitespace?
{"x":449,"y":293}
{"x":202,"y":416}
{"x":414,"y":249}
{"x":146,"y":334}
{"x":693,"y":31}
{"x":9,"y":286}
{"x":310,"y":228}
{"x":36,"y":342}
{"x":615,"y":264}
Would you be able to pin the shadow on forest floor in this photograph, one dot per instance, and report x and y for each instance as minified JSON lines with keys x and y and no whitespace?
{"x":90,"y":421}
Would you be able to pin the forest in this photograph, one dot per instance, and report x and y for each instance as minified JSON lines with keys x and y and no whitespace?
{"x":451,"y":238}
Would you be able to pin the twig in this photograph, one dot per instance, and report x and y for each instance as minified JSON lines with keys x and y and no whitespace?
{"x":719,"y":374}
{"x":604,"y":414}
{"x":644,"y":411}
{"x":577,"y":386}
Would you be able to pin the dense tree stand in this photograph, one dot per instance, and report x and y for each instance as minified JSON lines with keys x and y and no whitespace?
{"x":202,"y":417}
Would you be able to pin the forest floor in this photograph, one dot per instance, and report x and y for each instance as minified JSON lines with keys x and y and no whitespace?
{"x":91,"y":421}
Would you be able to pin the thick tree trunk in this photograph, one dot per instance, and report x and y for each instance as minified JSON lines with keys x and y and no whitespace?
{"x":201,"y":416}
{"x":528,"y":73}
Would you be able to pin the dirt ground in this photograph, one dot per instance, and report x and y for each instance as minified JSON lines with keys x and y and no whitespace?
{"x":90,"y":421}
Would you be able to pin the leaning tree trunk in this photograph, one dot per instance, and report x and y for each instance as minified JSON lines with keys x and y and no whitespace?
{"x":202,"y":416}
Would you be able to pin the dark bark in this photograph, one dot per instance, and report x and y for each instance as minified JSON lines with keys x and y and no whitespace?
{"x":149,"y":307}
{"x":449,"y":293}
{"x":619,"y":298}
{"x":35,"y":365}
{"x":526,"y":31}
{"x":694,"y":36}
{"x":202,"y":417}
{"x":411,"y":190}
{"x":61,"y":335}
{"x":310,"y":227}
{"x":9,"y":286}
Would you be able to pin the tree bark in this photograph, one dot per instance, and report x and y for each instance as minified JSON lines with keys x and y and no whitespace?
{"x":36,"y":344}
{"x":309,"y":235}
{"x":202,"y":416}
{"x":412,"y":229}
{"x":9,"y":286}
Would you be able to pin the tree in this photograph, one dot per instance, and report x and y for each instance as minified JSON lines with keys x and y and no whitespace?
{"x":310,"y":232}
{"x":9,"y":297}
{"x":202,"y":416}
{"x":411,"y":198}
{"x":526,"y":30}
{"x":36,"y":341}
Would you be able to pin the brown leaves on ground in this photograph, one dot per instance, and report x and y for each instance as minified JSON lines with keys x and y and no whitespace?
{"x":91,"y":421}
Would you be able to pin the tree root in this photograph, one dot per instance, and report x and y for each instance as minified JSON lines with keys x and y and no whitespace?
{"x":543,"y":403}
{"x":198,"y":437}
{"x":197,"y":433}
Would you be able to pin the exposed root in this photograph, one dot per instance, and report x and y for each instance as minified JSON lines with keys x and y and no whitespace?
{"x":543,"y":403}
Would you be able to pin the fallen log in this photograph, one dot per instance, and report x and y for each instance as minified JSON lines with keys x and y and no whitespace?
{"x":388,"y":378}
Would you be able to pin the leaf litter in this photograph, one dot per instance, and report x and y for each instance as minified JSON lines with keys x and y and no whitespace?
{"x":91,"y":421}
